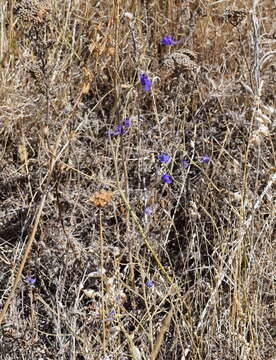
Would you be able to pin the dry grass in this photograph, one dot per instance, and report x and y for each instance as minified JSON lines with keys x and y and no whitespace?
{"x":73,"y":199}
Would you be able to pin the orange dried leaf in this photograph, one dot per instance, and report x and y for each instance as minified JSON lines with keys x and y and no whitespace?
{"x":101,"y":198}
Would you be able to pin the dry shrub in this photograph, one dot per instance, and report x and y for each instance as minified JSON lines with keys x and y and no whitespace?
{"x":100,"y":259}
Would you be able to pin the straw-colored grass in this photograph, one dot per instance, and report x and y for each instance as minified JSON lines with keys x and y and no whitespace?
{"x":100,"y":258}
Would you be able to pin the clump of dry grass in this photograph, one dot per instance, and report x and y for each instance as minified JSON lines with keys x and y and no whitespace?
{"x":100,"y":259}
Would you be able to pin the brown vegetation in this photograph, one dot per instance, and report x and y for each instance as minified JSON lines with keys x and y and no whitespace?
{"x":100,"y":258}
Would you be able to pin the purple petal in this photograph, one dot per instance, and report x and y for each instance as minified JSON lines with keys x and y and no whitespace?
{"x":145,"y":82}
{"x":204,"y":159}
{"x":168,"y":40}
{"x":185,"y":164}
{"x":147,"y":86}
{"x":143,"y":79}
{"x":31,"y":281}
{"x":110,"y":315}
{"x":119,"y":130}
{"x":127,"y":122}
{"x":163,"y":158}
{"x":149,"y":283}
{"x":166,"y":178}
{"x":148,"y":210}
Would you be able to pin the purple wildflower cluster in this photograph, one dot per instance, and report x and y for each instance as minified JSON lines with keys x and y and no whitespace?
{"x":145,"y":81}
{"x":163,"y":157}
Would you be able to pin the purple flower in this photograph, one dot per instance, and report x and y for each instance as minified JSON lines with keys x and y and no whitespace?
{"x":166,"y":178}
{"x":31,"y":281}
{"x":120,"y":129}
{"x":145,"y":82}
{"x":204,"y":159}
{"x":126,"y":122}
{"x":148,"y":210}
{"x":149,"y":283}
{"x":163,"y":158}
{"x":185,"y":164}
{"x":110,"y":315}
{"x":168,"y":40}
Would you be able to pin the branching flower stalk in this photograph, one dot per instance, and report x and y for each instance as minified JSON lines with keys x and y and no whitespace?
{"x":136,"y":220}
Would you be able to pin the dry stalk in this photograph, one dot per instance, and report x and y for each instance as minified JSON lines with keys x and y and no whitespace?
{"x":240,"y":239}
{"x":55,"y":157}
{"x":159,"y":340}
